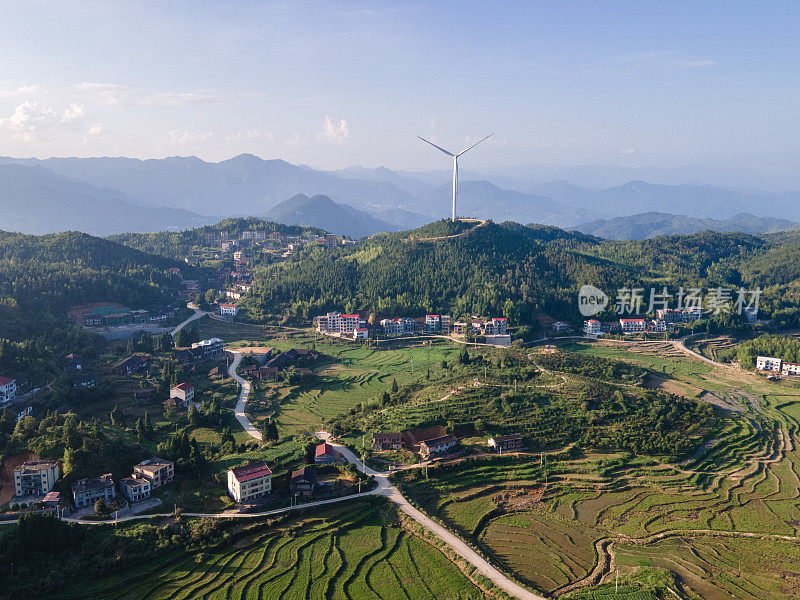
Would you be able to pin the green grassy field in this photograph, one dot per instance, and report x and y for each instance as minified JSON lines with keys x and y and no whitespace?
{"x":355,"y":550}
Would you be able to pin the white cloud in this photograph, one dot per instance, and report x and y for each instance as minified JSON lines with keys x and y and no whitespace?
{"x":189,"y":137}
{"x":28,"y":89}
{"x":334,"y":131}
{"x":250,"y":135}
{"x":296,"y":140}
{"x":628,"y":151}
{"x":29,"y":117}
{"x":75,"y":112}
{"x":668,"y":59}
{"x":104,"y":94}
{"x":110,"y":94}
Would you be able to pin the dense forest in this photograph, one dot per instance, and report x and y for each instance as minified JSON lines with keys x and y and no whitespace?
{"x":515,"y":271}
{"x":778,"y":346}
{"x":42,"y":276}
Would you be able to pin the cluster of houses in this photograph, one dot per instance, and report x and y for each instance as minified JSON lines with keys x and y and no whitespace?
{"x":665,"y":320}
{"x":108,"y":314}
{"x":337,"y":324}
{"x":432,"y":442}
{"x":772,"y":365}
{"x":270,"y":367}
{"x":251,"y":483}
{"x":38,"y":478}
{"x":355,"y":327}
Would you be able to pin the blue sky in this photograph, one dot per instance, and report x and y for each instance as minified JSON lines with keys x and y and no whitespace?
{"x":333,"y":84}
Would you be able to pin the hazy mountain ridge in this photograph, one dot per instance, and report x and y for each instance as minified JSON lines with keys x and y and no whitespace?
{"x":653,"y":224}
{"x":322,"y":212}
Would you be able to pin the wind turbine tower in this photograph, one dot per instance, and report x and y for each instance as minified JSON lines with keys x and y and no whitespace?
{"x":455,"y":166}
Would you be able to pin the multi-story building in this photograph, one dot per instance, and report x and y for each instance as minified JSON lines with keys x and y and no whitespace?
{"x":360,"y":333}
{"x":592,"y":327}
{"x":560,"y":327}
{"x":208,"y":348}
{"x":249,"y":483}
{"x":495,"y":326}
{"x":135,"y":488}
{"x":397,"y":326}
{"x":157,"y":470}
{"x":437,"y":446}
{"x":768,"y":363}
{"x":35,"y":478}
{"x":183,"y":392}
{"x":459,"y":328}
{"x":86,"y":492}
{"x":788,"y":368}
{"x":658,"y":326}
{"x":433,"y":323}
{"x":228,"y":309}
{"x":337,"y":323}
{"x":506,"y":443}
{"x":8,"y":390}
{"x":633,"y":325}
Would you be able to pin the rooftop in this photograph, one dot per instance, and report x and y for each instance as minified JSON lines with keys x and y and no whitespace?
{"x":324,"y":449}
{"x":438,"y":441}
{"x":251,"y":471}
{"x":93,"y":483}
{"x":154,"y":462}
{"x":5,"y":380}
{"x":184,"y":387}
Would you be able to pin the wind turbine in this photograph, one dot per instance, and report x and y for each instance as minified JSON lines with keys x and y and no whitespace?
{"x":455,"y":166}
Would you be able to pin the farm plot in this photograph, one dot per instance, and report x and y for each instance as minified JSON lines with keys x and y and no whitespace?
{"x":353,"y":551}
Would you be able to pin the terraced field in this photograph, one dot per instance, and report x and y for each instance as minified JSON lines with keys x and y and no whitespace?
{"x":353,"y":551}
{"x":714,"y":519}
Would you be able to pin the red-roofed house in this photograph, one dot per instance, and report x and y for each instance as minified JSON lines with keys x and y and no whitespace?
{"x":184,"y":392}
{"x":326,"y":455}
{"x":633,"y":325}
{"x":250,"y":482}
{"x":8,"y":390}
{"x":228,"y":309}
{"x":360,"y":333}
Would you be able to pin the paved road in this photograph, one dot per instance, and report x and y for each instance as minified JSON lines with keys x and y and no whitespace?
{"x":238,"y":412}
{"x":387,"y":489}
{"x":197,"y":314}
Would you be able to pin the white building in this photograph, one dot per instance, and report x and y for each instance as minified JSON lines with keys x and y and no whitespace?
{"x":768,"y":363}
{"x":397,"y":326}
{"x":157,"y":470}
{"x":184,"y":392}
{"x":337,"y":323}
{"x":228,"y":309}
{"x":592,"y":327}
{"x":495,"y":326}
{"x":8,"y":390}
{"x":35,"y":478}
{"x":790,"y":369}
{"x":360,"y":333}
{"x":633,"y":325}
{"x":210,"y":347}
{"x":250,"y":482}
{"x":658,"y":326}
{"x":135,"y":488}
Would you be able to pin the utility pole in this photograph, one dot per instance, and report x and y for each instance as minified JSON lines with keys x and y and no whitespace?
{"x":616,"y":587}
{"x":515,"y":386}
{"x":412,"y":366}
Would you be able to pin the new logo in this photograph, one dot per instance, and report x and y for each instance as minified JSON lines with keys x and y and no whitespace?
{"x":591,"y":300}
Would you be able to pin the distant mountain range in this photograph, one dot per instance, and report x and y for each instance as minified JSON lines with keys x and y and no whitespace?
{"x":36,"y":200}
{"x":322,"y":212}
{"x":178,"y":192}
{"x":653,"y":224}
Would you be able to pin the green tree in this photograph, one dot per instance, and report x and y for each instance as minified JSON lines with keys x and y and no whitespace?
{"x":116,"y":416}
{"x":394,"y":386}
{"x":194,"y":415}
{"x":141,"y":432}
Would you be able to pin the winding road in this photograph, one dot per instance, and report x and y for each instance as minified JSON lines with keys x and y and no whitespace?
{"x":197,"y":315}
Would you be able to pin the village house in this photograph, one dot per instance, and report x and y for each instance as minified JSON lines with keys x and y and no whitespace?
{"x":633,"y":325}
{"x":35,"y":478}
{"x":250,"y":482}
{"x":207,"y":348}
{"x":52,"y":502}
{"x":387,"y":441}
{"x":788,"y":368}
{"x":361,"y":333}
{"x":228,"y":309}
{"x":135,"y":488}
{"x":86,"y":492}
{"x":326,"y":455}
{"x":8,"y":390}
{"x":183,"y":392}
{"x":561,"y":327}
{"x":397,"y":326}
{"x":506,"y":443}
{"x":334,"y":323}
{"x":592,"y":327}
{"x":131,"y":365}
{"x":768,"y":363}
{"x":437,"y":446}
{"x":303,"y":481}
{"x":156,"y":470}
{"x":659,"y":326}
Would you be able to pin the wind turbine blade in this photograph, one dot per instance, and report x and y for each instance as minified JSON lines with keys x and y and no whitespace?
{"x":473,"y":145}
{"x":437,"y":147}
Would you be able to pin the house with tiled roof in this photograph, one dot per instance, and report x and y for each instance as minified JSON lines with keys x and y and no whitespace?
{"x":250,"y":482}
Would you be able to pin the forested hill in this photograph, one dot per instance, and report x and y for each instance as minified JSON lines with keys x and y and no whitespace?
{"x":178,"y":244}
{"x":42,"y":276}
{"x":507,"y":269}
